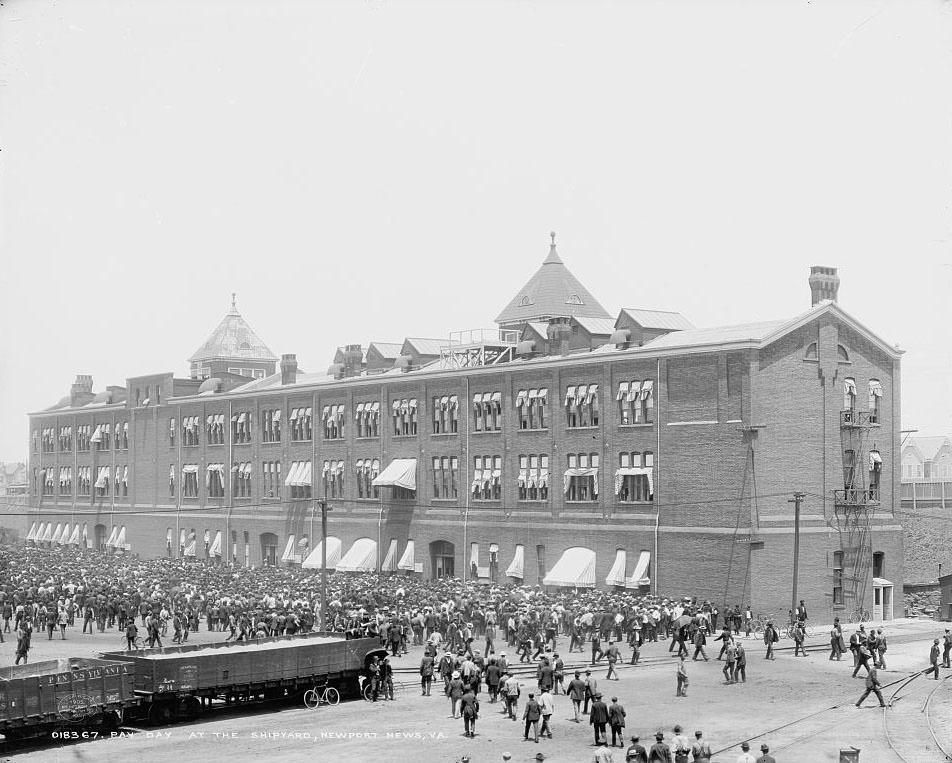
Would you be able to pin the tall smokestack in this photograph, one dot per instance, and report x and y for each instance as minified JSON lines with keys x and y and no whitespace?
{"x":824,"y":284}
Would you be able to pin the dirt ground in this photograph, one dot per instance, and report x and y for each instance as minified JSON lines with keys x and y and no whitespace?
{"x":802,"y":707}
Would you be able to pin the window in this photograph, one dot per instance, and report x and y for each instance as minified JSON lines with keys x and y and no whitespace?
{"x":46,"y":475}
{"x":102,"y":436}
{"x":122,"y":435}
{"x":531,"y":406}
{"x":83,"y":436}
{"x":84,"y":480}
{"x":581,"y":406}
{"x":875,"y":400}
{"x":367,"y":419}
{"x":49,"y":440}
{"x":190,"y":480}
{"x":403,"y":494}
{"x":487,"y":411}
{"x":333,"y":418}
{"x":445,"y":414}
{"x":879,"y":564}
{"x":405,"y":417}
{"x":838,"y":578}
{"x":300,"y":423}
{"x":66,"y":439}
{"x":445,"y":477}
{"x":158,"y":395}
{"x":122,"y":482}
{"x":487,"y":478}
{"x":635,"y":402}
{"x":849,"y":469}
{"x":171,"y":433}
{"x":172,"y":481}
{"x":875,"y":472}
{"x":581,"y":477}
{"x":215,"y":429}
{"x":849,"y":394}
{"x":241,"y":428}
{"x":540,"y":562}
{"x":271,"y":425}
{"x":36,"y":441}
{"x":367,"y":470}
{"x":189,"y":431}
{"x":633,"y":480}
{"x":333,"y":475}
{"x":271,"y":479}
{"x":215,"y":480}
{"x":811,"y":353}
{"x":103,"y":481}
{"x":841,"y":354}
{"x":241,"y":479}
{"x":66,"y":480}
{"x":534,"y":477}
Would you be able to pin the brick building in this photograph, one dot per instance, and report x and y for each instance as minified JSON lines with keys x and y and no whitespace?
{"x":563,"y":447}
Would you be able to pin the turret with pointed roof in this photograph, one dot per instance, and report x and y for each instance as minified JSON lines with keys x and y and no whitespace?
{"x":233,"y":347}
{"x":552,"y":292}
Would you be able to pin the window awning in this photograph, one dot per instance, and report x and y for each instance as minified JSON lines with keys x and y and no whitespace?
{"x":640,"y":575}
{"x":190,"y":469}
{"x":592,"y":392}
{"x":102,"y":479}
{"x":359,"y":412}
{"x":876,"y":389}
{"x":288,"y":555}
{"x":401,"y":472}
{"x":474,"y":553}
{"x":406,"y":561}
{"x":64,"y":536}
{"x":521,"y":398}
{"x":629,"y":471}
{"x":515,"y":569}
{"x":111,"y":540}
{"x":646,"y":386}
{"x":74,"y":538}
{"x":875,"y":460}
{"x":581,"y":472}
{"x":493,"y":548}
{"x":581,"y":393}
{"x":633,"y":391}
{"x":32,"y":534}
{"x":97,"y":435}
{"x":360,"y":557}
{"x":622,"y":390}
{"x":121,"y":538}
{"x":496,"y":397}
{"x":215,"y":550}
{"x":849,"y":386}
{"x":57,"y":533}
{"x":569,"y":395}
{"x":616,"y":575}
{"x":190,"y":548}
{"x":575,"y":569}
{"x":390,"y":560}
{"x":313,"y":561}
{"x":881,"y":582}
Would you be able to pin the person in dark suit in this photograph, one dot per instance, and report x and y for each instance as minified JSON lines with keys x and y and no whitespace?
{"x":599,"y":718}
{"x":766,"y":757}
{"x":802,"y":612}
{"x":636,"y":753}
{"x":660,"y":752}
{"x":426,"y":674}
{"x":531,"y":715}
{"x":469,"y":708}
{"x":616,"y":719}
{"x":872,"y":686}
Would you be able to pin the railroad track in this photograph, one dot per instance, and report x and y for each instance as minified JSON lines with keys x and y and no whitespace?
{"x":903,"y":724}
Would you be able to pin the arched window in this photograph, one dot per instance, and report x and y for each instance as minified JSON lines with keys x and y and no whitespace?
{"x":875,"y":400}
{"x":811,"y":352}
{"x":842,"y":354}
{"x":849,"y":394}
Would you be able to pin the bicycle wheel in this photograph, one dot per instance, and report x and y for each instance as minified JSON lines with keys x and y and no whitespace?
{"x":331,"y":696}
{"x":311,"y":699}
{"x":368,"y":693}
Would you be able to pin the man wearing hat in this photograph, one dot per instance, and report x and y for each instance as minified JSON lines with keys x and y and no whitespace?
{"x":660,"y":752}
{"x":602,"y":753}
{"x":700,"y":750}
{"x":681,"y":745}
{"x":933,"y":660}
{"x":576,"y":693}
{"x":745,"y":756}
{"x":636,"y":753}
{"x":531,"y":715}
{"x":766,"y":757}
{"x":946,"y":647}
{"x":616,"y":719}
{"x":591,"y":686}
{"x":599,"y":717}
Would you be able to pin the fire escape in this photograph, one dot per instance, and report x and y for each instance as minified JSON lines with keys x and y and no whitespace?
{"x":856,"y":503}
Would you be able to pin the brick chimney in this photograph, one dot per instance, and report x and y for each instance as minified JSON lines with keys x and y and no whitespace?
{"x":559,"y":333}
{"x":288,"y":369}
{"x":82,"y":391}
{"x":353,"y":360}
{"x":824,"y":284}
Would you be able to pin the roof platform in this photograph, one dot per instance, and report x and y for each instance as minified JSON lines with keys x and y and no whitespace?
{"x":479,"y":347}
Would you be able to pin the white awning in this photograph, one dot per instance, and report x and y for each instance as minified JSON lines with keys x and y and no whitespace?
{"x":592,"y":392}
{"x":521,"y":398}
{"x":74,"y":538}
{"x":111,"y":540}
{"x":646,"y":386}
{"x":291,"y":479}
{"x":515,"y":569}
{"x":633,"y":391}
{"x":102,"y":479}
{"x":97,"y":435}
{"x":849,"y":386}
{"x":215,"y":550}
{"x":190,"y":548}
{"x":57,"y":533}
{"x":617,"y":574}
{"x":40,"y":532}
{"x":64,"y":536}
{"x":581,"y":472}
{"x":543,"y":393}
{"x":493,"y":548}
{"x":640,"y":575}
{"x":876,"y":389}
{"x":359,"y":412}
{"x":622,"y":390}
{"x":121,"y":538}
{"x":32,"y":534}
{"x":313,"y":561}
{"x":875,"y":460}
{"x":288,"y":555}
{"x":474,"y":553}
{"x":575,"y":569}
{"x":630,"y":471}
{"x":401,"y":472}
{"x":390,"y":560}
{"x":569,"y":395}
{"x":190,"y":469}
{"x":881,"y":582}
{"x":360,"y":557}
{"x":406,"y":561}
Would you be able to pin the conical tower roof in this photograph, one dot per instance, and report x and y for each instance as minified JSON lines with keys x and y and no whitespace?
{"x":234,"y":339}
{"x":551,"y":292}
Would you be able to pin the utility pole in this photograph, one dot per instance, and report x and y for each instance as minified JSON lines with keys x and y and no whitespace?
{"x":797,"y":500}
{"x":324,"y":511}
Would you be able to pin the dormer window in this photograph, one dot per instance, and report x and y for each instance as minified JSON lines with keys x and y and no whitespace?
{"x":526,"y":300}
{"x":575,"y":299}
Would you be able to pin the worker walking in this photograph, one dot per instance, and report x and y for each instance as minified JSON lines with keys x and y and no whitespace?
{"x":933,"y":660}
{"x":872,"y":686}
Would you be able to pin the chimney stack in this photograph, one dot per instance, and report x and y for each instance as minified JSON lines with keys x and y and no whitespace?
{"x":824,"y":284}
{"x":559,"y":333}
{"x":288,"y":369}
{"x":353,"y":360}
{"x":82,"y":391}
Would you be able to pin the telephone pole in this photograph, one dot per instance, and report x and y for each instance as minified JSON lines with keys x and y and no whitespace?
{"x":324,"y":511}
{"x":796,"y":501}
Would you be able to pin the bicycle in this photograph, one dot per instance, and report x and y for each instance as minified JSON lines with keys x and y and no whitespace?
{"x":366,"y":689}
{"x":859,"y":616}
{"x":137,"y":643}
{"x":321,"y":695}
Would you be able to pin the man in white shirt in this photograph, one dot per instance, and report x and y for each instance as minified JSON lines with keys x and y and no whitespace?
{"x":745,"y":756}
{"x":548,"y":707}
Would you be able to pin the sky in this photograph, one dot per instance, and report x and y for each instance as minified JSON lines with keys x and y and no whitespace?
{"x":365,"y":171}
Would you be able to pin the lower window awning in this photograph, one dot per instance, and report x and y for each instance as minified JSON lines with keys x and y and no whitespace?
{"x":401,"y":472}
{"x":215,"y":550}
{"x":390,"y":560}
{"x":121,"y":538}
{"x":111,"y":540}
{"x":288,"y":555}
{"x":575,"y":569}
{"x":190,"y":548}
{"x":74,"y":538}
{"x":32,"y":534}
{"x":48,"y":532}
{"x":406,"y":561}
{"x":313,"y":561}
{"x":57,"y":533}
{"x":882,"y":582}
{"x":360,"y":557}
{"x":64,"y":536}
{"x":640,"y":575}
{"x":515,"y":570}
{"x":617,"y":574}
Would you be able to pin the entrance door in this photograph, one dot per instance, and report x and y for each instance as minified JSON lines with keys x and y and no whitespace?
{"x":443,"y":568}
{"x":269,"y":549}
{"x":887,"y":602}
{"x":878,"y":603}
{"x":443,"y":555}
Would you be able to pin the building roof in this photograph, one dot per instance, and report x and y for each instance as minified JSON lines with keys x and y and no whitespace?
{"x":424,"y":346}
{"x":552,"y":291}
{"x":386,"y":349}
{"x":598,"y":326}
{"x":755,"y":332}
{"x":928,"y":447}
{"x":657,"y":319}
{"x":233,"y":339}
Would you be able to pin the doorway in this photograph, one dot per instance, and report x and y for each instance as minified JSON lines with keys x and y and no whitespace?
{"x":269,"y":549}
{"x":443,"y":556}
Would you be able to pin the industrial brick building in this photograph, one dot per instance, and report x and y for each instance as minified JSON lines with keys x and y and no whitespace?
{"x":563,"y":447}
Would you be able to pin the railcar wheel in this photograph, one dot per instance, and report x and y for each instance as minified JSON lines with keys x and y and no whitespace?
{"x":161,"y":713}
{"x":189,"y":708}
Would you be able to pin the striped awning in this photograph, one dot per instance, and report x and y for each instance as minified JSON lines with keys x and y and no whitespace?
{"x":360,"y":557}
{"x":575,"y":569}
{"x":616,"y":575}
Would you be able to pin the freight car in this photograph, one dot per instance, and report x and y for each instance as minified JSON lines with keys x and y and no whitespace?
{"x":178,"y":682}
{"x":54,"y":695}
